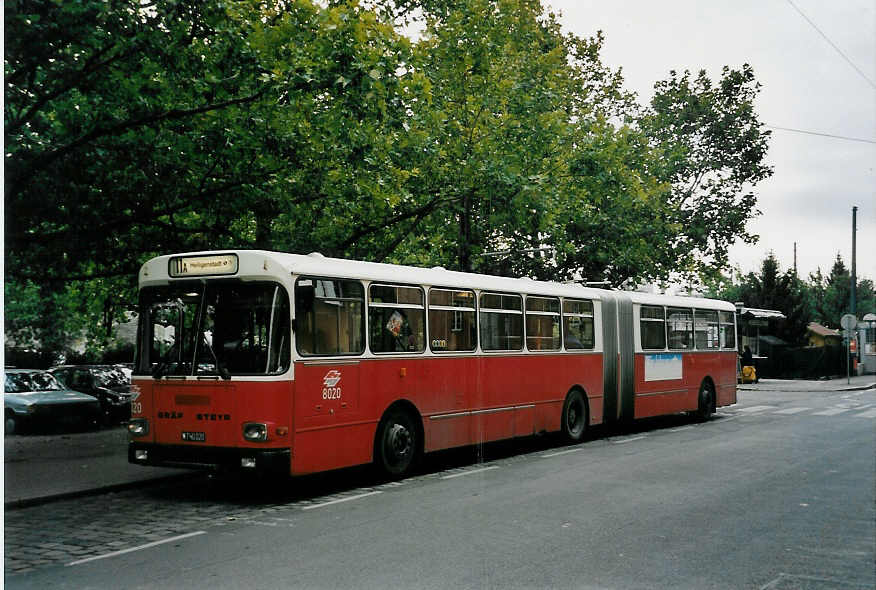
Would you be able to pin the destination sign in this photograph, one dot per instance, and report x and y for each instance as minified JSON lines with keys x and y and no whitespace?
{"x":191,"y":266}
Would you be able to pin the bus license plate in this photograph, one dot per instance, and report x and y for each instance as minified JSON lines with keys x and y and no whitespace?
{"x":194,"y":436}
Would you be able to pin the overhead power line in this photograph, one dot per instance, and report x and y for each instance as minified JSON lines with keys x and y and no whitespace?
{"x":832,"y":44}
{"x":832,"y":136}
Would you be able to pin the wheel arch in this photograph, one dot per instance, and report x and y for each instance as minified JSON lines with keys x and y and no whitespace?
{"x":408,"y":407}
{"x":579,"y":387}
{"x":708,"y":381}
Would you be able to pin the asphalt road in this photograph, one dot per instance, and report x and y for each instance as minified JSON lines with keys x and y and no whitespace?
{"x":776,"y":492}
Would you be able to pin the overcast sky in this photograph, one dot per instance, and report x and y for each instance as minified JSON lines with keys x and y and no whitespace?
{"x":807,"y":85}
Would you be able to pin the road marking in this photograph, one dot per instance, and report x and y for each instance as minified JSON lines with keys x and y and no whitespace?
{"x":561,"y":453}
{"x":392,"y":484}
{"x":799,"y":578}
{"x":680,"y":428}
{"x":626,"y":440}
{"x":867,"y":414}
{"x":461,"y":473}
{"x":831,"y":412}
{"x":791,"y":410}
{"x":132,"y":549}
{"x":754,"y":409}
{"x":339,"y":500}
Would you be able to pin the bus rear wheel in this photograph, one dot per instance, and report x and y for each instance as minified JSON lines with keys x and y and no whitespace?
{"x":706,"y":402}
{"x":396,"y":444}
{"x":574,"y":418}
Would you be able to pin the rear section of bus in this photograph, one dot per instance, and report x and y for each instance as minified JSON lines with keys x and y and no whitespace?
{"x":213,"y":373}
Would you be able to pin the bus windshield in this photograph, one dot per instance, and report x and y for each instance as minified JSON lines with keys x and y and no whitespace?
{"x":214,"y":328}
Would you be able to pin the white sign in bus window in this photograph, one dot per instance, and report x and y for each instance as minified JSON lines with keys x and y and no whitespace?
{"x":663,"y":367}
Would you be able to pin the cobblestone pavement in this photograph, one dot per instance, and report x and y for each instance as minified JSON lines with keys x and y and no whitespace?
{"x":70,"y":530}
{"x":65,"y":531}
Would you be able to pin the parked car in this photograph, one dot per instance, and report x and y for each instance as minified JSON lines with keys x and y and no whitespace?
{"x":110,"y":384}
{"x":35,"y":398}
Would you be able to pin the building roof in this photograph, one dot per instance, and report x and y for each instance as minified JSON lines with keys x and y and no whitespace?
{"x":766,"y":314}
{"x":820,"y":330}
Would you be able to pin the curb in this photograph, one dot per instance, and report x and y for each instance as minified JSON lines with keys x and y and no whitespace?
{"x":30,"y":502}
{"x":823,"y":390}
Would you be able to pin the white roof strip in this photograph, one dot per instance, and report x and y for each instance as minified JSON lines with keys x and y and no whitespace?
{"x":262,"y":264}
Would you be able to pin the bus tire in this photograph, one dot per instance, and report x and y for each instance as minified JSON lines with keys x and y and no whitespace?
{"x":397,"y":443}
{"x":574,"y":418}
{"x":706,"y":401}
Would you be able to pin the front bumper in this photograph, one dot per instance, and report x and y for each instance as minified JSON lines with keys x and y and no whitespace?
{"x":274,"y":461}
{"x":46,"y":416}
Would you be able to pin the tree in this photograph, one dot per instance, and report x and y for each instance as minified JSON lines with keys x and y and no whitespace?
{"x":712,"y":148}
{"x":830,"y":297}
{"x":134,"y":129}
{"x":517,"y":153}
{"x":772,"y":289}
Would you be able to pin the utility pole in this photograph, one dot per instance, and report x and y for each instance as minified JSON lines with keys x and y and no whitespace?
{"x":854,"y":259}
{"x":795,"y":258}
{"x":854,"y":290}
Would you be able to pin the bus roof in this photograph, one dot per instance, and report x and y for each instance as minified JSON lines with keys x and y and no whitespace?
{"x":260,"y":264}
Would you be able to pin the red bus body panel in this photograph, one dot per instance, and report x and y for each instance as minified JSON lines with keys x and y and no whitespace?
{"x":657,"y":398}
{"x":216,"y":408}
{"x":462,"y":401}
{"x":333,"y":407}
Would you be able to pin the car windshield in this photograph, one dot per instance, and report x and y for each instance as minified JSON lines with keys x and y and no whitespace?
{"x":215,"y":328}
{"x":110,"y":377}
{"x":23,"y":382}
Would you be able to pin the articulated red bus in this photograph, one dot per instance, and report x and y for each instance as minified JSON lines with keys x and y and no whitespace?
{"x":301,"y":363}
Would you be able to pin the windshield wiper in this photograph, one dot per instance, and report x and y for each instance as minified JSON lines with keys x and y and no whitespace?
{"x":220,"y":368}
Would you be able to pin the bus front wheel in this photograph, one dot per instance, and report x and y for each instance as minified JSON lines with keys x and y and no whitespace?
{"x":574,"y":419}
{"x":396,"y":444}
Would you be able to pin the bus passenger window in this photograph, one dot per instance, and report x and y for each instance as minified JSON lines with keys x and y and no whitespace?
{"x":329,"y":316}
{"x":501,"y":322}
{"x":652,"y":328}
{"x":452,"y":321}
{"x":578,"y":325}
{"x":397,"y":319}
{"x":706,"y":329}
{"x":679,"y":325}
{"x":728,"y":329}
{"x":543,"y":323}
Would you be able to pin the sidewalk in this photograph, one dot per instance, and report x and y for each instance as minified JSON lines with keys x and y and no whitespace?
{"x":44,"y":467}
{"x":855,"y":383}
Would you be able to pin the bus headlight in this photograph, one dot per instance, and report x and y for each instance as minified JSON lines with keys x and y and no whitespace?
{"x":255,"y":431}
{"x":138,"y":427}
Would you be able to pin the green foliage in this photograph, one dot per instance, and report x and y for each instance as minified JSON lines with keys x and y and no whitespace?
{"x":711,"y":148}
{"x":830,"y":296}
{"x":820,"y":299}
{"x":132,"y":131}
{"x":135,"y":129}
{"x":773,"y":289}
{"x":516,"y":151}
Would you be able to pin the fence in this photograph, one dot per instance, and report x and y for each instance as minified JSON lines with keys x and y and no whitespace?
{"x":803,"y":363}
